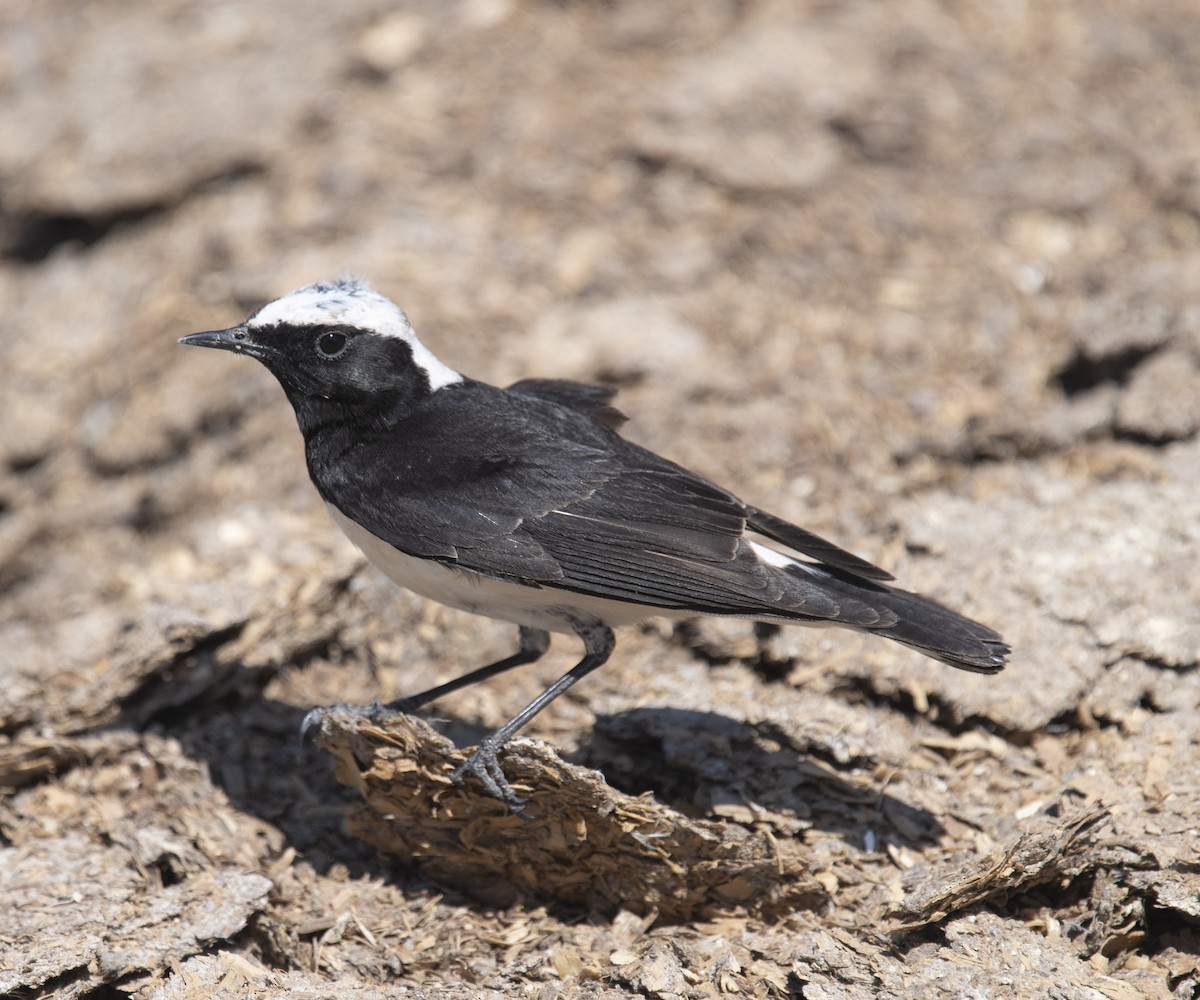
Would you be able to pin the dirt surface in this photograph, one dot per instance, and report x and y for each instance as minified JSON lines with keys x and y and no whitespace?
{"x":924,"y":277}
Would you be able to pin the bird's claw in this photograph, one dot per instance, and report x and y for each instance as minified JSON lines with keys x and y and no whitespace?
{"x":376,"y":712}
{"x":485,"y":766}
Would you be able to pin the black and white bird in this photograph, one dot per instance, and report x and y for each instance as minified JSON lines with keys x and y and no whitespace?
{"x":525,"y":504}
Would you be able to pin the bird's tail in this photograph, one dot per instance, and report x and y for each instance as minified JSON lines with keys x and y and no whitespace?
{"x":914,"y":620}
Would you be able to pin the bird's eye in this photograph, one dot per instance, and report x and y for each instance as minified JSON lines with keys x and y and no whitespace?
{"x":332,"y":344}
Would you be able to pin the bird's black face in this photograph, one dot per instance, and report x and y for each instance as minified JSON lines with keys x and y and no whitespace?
{"x":324,"y":364}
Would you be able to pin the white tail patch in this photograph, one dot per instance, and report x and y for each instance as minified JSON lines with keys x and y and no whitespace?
{"x":773,"y":557}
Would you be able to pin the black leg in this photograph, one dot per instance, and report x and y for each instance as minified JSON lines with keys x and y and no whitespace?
{"x":534,"y":643}
{"x":598,"y":643}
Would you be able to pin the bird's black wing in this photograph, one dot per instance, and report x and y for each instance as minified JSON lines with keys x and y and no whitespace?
{"x":596,"y":401}
{"x":658,"y":534}
{"x":521,"y":487}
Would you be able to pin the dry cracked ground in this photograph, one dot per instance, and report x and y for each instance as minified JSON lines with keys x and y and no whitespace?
{"x":923,"y":276}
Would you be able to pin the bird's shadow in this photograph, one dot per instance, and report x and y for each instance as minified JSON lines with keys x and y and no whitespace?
{"x":709,"y":765}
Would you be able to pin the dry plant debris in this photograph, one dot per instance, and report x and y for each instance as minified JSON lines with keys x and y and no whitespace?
{"x":578,"y":841}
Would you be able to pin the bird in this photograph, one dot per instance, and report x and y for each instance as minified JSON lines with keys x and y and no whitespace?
{"x":527,"y":505}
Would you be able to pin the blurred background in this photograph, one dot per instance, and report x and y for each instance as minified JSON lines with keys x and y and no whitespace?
{"x":922,"y":276}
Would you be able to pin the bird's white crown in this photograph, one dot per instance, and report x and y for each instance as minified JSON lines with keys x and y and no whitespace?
{"x":354,"y":303}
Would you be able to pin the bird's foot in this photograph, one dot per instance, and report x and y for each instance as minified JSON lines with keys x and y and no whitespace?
{"x":485,"y":766}
{"x":482,"y":764}
{"x":376,"y":712}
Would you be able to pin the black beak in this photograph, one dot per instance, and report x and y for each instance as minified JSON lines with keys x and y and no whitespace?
{"x":236,"y":338}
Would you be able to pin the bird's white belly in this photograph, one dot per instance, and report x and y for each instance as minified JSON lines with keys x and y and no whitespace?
{"x":537,"y":607}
